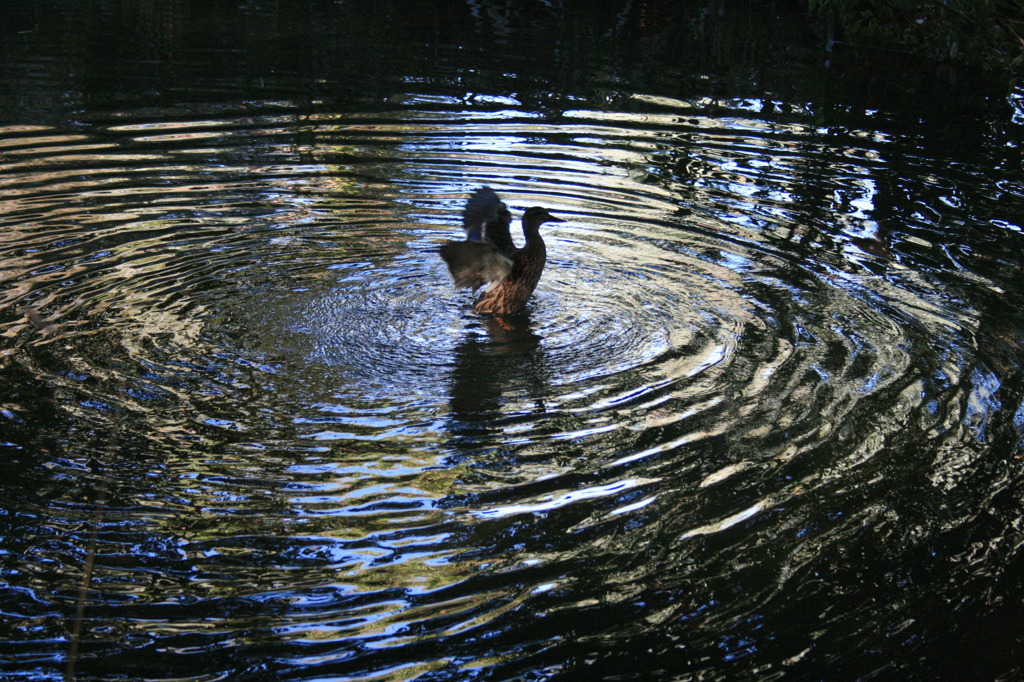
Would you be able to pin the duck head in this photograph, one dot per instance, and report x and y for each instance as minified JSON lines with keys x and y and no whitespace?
{"x":534,"y":217}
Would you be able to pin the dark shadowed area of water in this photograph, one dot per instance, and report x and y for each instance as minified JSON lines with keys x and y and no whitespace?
{"x":762,"y":420}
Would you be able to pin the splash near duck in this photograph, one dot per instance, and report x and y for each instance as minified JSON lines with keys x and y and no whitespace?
{"x":489,"y":256}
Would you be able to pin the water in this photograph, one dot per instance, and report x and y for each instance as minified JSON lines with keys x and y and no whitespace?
{"x":763,"y":418}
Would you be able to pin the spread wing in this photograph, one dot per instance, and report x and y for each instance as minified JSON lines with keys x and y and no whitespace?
{"x":474,"y":264}
{"x":486,"y":219}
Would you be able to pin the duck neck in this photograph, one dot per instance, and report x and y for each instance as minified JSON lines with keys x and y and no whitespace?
{"x":531,"y":231}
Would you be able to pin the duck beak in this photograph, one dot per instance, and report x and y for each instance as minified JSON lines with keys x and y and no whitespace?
{"x":548,"y":218}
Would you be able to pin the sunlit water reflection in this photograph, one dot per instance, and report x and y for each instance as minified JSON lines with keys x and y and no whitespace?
{"x":763,"y":414}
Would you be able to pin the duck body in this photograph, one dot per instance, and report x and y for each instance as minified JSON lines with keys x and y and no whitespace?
{"x":488,"y":254}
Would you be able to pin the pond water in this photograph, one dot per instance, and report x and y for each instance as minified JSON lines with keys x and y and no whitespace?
{"x":763,"y":418}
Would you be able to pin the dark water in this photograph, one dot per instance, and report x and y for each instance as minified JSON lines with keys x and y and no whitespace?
{"x":763,"y":420}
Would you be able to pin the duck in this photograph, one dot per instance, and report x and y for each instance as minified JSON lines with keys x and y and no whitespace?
{"x":489,"y":256}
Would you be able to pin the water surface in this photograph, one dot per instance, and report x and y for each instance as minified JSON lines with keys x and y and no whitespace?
{"x":762,"y":419}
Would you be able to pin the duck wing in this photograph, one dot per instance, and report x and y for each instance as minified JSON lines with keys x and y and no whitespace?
{"x":473,"y":264}
{"x":486,"y":219}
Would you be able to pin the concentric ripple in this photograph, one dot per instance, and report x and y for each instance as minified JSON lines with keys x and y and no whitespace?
{"x":251,"y":416}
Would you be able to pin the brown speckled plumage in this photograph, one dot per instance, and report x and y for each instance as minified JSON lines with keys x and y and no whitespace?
{"x":489,"y":255}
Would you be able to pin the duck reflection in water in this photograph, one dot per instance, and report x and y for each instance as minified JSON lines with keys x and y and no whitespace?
{"x":499,"y":361}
